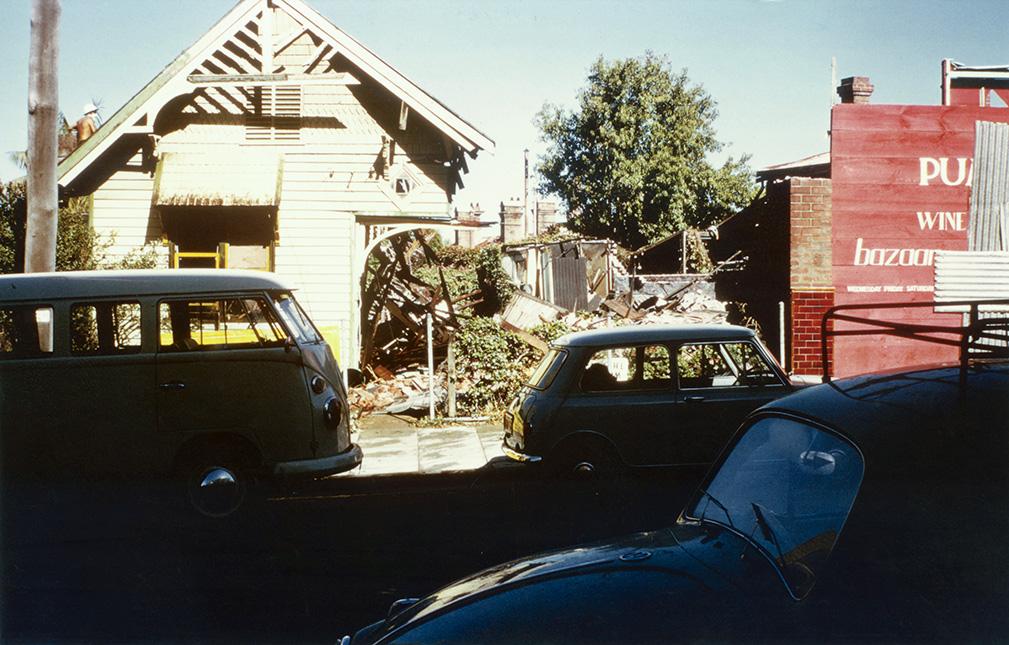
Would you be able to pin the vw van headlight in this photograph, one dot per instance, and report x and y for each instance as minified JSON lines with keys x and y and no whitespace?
{"x":333,"y":412}
{"x":318,"y":384}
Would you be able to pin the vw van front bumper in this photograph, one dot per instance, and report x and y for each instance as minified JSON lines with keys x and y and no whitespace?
{"x":346,"y":460}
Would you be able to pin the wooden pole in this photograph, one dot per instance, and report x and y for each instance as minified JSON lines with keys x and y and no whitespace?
{"x":43,"y":199}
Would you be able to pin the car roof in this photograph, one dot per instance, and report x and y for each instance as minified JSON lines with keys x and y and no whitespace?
{"x":632,"y":334}
{"x":140,"y":282}
{"x":899,"y":411}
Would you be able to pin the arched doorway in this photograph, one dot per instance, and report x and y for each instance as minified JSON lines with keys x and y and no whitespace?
{"x":392,"y":302}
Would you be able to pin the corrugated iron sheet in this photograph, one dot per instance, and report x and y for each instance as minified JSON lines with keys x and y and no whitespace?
{"x":569,"y":282}
{"x":989,"y":200}
{"x":970,"y":275}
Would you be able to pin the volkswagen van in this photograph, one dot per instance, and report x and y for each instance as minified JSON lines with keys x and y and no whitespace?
{"x":215,"y":377}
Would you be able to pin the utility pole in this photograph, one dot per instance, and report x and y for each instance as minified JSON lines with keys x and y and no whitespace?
{"x":43,"y":200}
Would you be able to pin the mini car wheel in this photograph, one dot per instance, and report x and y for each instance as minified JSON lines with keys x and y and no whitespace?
{"x":585,"y":460}
{"x":216,"y":484}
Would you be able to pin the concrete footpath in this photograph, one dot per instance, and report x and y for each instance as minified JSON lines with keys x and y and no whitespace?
{"x":392,"y":444}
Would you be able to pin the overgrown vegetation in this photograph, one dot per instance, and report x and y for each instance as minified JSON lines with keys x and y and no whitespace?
{"x":496,"y":287}
{"x":494,"y":362}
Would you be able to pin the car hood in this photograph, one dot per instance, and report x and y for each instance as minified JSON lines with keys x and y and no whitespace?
{"x":694,"y":560}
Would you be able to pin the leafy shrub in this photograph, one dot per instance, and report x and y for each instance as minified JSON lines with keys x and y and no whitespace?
{"x":497,"y":288}
{"x":491,"y":362}
{"x":460,"y":281}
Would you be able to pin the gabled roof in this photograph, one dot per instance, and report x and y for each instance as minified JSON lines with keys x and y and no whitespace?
{"x":172,"y":82}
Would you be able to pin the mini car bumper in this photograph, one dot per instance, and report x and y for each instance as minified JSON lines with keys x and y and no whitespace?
{"x":349,"y":458}
{"x":515,"y":455}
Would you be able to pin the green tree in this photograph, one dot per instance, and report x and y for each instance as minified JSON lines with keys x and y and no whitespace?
{"x":631,"y":162}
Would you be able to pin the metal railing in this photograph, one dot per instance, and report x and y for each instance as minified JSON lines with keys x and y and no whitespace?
{"x":982,"y":336}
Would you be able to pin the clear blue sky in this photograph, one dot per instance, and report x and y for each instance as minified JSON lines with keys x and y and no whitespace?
{"x":495,"y":62}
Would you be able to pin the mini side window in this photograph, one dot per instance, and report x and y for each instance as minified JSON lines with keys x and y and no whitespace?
{"x":704,"y":365}
{"x":228,"y":323}
{"x":26,"y":332}
{"x":105,"y":328}
{"x":627,"y":368}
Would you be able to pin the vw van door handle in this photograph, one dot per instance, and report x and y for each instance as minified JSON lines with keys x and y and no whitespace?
{"x":173,"y":385}
{"x":693,"y":399}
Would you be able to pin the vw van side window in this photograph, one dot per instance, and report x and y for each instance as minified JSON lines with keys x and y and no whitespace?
{"x":703,"y":365}
{"x":228,"y":323}
{"x":26,"y":332}
{"x":104,"y":328}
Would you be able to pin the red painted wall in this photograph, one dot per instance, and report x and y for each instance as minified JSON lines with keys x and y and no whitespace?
{"x":900,"y":177}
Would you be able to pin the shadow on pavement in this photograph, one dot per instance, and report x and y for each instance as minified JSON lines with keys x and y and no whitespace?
{"x":128,"y":562}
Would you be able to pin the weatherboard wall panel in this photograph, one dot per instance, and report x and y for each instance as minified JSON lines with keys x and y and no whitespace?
{"x":892,"y":169}
{"x":121,"y":212}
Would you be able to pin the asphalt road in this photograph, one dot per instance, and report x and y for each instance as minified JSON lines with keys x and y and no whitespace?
{"x":121,"y":562}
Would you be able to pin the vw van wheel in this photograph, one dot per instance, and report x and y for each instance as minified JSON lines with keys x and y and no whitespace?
{"x":216,"y":488}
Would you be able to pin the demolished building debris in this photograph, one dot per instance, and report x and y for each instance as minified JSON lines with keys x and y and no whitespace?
{"x":576,"y":284}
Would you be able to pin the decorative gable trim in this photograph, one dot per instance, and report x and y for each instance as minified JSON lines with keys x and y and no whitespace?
{"x":238,"y":54}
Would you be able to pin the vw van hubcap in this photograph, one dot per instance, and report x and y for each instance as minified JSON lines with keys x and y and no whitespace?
{"x":217,"y":491}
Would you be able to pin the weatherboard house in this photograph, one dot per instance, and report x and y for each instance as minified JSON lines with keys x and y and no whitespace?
{"x":275,"y":142}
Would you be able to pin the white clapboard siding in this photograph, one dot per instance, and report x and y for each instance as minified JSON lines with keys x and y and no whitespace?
{"x":121,"y":211}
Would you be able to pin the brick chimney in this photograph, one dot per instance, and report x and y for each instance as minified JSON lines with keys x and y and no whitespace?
{"x":855,"y":89}
{"x":470,"y":216}
{"x":512,"y":221}
{"x":547,"y":215}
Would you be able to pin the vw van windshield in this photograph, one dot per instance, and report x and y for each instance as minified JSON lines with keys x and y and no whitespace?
{"x":788,"y":487}
{"x":296,"y":319}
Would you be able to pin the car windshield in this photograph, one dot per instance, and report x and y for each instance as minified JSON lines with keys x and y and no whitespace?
{"x":296,"y":319}
{"x":788,"y":487}
{"x":545,"y":372}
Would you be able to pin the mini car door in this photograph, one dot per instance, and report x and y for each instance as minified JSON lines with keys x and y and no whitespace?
{"x":225,"y":364}
{"x":626,"y":395}
{"x":719,"y":383}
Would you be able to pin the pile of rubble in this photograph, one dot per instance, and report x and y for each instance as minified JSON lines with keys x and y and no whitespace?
{"x":397,"y":305}
{"x":395,"y":394}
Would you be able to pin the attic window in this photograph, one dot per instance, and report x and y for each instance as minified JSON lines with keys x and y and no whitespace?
{"x":403,"y":186}
{"x":274,"y":114}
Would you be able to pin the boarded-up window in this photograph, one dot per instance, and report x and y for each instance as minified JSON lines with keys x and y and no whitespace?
{"x":274,"y":114}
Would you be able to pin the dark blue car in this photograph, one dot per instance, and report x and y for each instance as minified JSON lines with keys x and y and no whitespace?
{"x":868,"y":509}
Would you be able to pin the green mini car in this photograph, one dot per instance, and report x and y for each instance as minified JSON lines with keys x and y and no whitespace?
{"x":640,"y":396}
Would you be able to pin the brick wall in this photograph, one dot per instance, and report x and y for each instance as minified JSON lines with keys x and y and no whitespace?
{"x":808,"y":308}
{"x":811,"y":282}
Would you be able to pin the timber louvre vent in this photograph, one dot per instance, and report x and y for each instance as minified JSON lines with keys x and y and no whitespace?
{"x":274,"y":114}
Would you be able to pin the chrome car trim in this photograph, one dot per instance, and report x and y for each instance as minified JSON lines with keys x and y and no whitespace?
{"x":515,"y":455}
{"x":346,"y":460}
